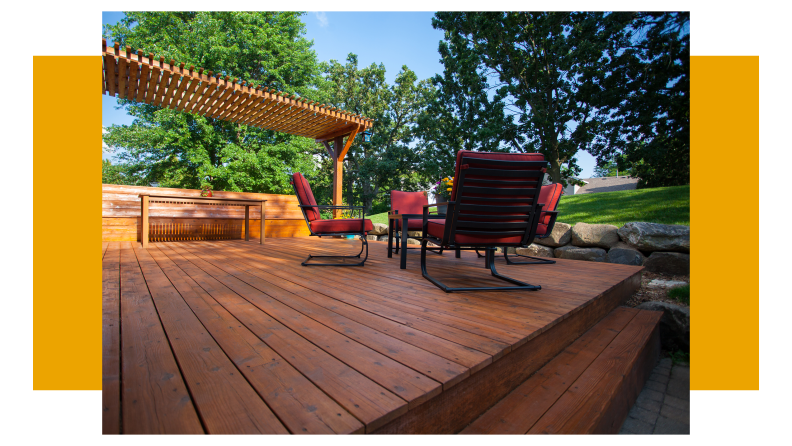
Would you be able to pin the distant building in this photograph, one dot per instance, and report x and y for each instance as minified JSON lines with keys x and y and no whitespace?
{"x":572,"y":189}
{"x":603,"y":184}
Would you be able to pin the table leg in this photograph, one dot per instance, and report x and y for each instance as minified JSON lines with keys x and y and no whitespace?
{"x":403,"y":262}
{"x":144,"y":213}
{"x":390,"y":238}
{"x":247,"y":223}
{"x":262,"y":223}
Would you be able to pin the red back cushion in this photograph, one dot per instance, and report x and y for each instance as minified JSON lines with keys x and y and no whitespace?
{"x":549,"y":196}
{"x":305,"y":196}
{"x":491,"y":156}
{"x":408,"y":202}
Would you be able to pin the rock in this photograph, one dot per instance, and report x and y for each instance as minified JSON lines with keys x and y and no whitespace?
{"x":535,"y":250}
{"x":414,"y":233}
{"x":625,"y":254}
{"x":672,"y":263}
{"x":577,"y":253}
{"x":561,"y":235}
{"x":412,"y":241}
{"x":379,"y":229}
{"x":665,"y":283}
{"x":602,"y":236}
{"x":674,"y":326}
{"x":372,"y":238}
{"x":652,"y":237}
{"x":383,"y":238}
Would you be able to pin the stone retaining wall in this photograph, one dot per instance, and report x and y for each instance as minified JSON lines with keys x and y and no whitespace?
{"x":659,"y":248}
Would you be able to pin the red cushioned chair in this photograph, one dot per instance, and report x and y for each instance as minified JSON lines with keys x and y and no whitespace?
{"x":548,"y":198}
{"x":494,"y":202}
{"x":406,"y":211}
{"x":330,"y":227}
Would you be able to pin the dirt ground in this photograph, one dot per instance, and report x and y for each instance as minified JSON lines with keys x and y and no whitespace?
{"x":646,"y":293}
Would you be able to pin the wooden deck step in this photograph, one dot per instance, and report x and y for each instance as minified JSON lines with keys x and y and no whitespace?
{"x":588,"y":388}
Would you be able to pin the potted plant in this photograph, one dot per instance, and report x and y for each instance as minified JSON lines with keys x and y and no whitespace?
{"x":442,"y":193}
{"x":206,"y":190}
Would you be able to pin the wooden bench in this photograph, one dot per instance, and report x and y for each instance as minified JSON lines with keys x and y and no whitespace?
{"x":145,"y":199}
{"x":588,"y":388}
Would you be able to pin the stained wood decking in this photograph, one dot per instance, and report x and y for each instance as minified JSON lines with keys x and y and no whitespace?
{"x":589,"y":387}
{"x":236,"y":337}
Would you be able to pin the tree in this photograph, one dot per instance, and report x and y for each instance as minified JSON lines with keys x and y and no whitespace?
{"x":388,"y":161}
{"x":184,"y":150}
{"x":650,"y":125}
{"x":550,"y":69}
{"x":115,"y":174}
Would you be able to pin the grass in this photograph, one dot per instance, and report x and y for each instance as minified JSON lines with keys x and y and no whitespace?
{"x":667,"y":205}
{"x":679,"y":357}
{"x":680,"y":294}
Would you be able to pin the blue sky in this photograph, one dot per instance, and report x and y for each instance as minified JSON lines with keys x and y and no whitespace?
{"x":392,"y":38}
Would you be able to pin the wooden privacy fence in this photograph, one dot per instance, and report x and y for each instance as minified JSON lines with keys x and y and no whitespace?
{"x":121,"y":219}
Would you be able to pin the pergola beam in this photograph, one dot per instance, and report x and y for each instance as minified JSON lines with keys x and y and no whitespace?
{"x":144,"y":79}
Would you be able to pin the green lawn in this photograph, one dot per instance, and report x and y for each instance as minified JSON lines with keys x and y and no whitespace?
{"x":668,"y":205}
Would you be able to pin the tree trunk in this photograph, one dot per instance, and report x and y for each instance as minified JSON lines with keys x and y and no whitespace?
{"x":555,"y":171}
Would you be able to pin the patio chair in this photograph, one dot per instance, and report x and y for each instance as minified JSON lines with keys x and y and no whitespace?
{"x":406,"y":212}
{"x":494,"y":202}
{"x":330,"y":227}
{"x":548,"y":197}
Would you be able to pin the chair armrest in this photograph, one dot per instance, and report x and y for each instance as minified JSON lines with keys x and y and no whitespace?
{"x":426,"y":206}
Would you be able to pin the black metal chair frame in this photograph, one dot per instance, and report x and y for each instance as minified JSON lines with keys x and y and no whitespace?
{"x":362,"y":234}
{"x":528,"y":214}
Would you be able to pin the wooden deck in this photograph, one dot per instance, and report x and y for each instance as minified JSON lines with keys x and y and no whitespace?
{"x":236,"y":337}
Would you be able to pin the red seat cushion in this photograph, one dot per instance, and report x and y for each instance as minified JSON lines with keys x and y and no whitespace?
{"x":437,"y":229}
{"x":549,"y":196}
{"x":408,"y":202}
{"x":305,"y":196}
{"x":349,"y":225}
{"x":541,"y":229}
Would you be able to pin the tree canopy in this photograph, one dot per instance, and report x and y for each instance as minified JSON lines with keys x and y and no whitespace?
{"x":615,"y":85}
{"x":184,"y":150}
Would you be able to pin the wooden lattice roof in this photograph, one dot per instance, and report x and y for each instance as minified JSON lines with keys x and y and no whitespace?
{"x":143,"y":79}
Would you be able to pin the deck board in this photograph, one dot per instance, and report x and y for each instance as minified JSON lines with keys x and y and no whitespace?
{"x":322,"y":349}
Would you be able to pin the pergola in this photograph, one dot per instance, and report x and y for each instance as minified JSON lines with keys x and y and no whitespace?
{"x":142,"y":78}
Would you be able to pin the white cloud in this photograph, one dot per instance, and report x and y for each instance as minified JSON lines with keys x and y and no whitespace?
{"x":322,"y":17}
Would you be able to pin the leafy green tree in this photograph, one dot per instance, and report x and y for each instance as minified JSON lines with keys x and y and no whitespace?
{"x":550,"y":69}
{"x":185,"y":150}
{"x":115,"y":174}
{"x":388,"y":161}
{"x":650,"y":75}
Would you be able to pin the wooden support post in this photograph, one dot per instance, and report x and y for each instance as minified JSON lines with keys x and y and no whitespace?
{"x":262,"y":223}
{"x":144,"y":214}
{"x":338,"y":175}
{"x":247,"y":223}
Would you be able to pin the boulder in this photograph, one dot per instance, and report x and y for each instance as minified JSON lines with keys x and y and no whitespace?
{"x":602,"y":236}
{"x":577,"y":253}
{"x":383,"y":238}
{"x":674,"y":326}
{"x":412,"y":241}
{"x":625,"y":254}
{"x":652,"y":237}
{"x":372,"y":238}
{"x":561,"y":235}
{"x":535,"y":250}
{"x":658,"y":283}
{"x":379,"y":229}
{"x":414,"y":233}
{"x":673,"y":263}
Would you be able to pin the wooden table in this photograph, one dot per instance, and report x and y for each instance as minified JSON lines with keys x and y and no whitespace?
{"x":146,"y":199}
